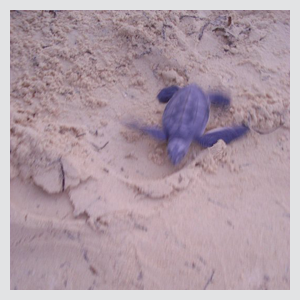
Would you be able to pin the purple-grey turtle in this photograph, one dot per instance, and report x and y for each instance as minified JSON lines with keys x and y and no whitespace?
{"x":185,"y":118}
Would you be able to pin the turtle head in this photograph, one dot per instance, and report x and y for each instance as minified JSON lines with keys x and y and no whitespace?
{"x":177,"y":149}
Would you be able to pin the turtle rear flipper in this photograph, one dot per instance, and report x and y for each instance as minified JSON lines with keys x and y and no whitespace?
{"x":218,"y":99}
{"x":227,"y":134}
{"x":167,"y":93}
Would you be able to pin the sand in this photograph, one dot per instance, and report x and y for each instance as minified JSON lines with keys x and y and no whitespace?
{"x":95,"y":205}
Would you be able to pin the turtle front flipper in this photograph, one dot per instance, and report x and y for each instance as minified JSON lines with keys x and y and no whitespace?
{"x":227,"y":134}
{"x":167,"y":93}
{"x":155,"y":132}
{"x":218,"y":99}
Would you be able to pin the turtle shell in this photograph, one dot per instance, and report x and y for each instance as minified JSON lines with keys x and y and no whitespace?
{"x":187,"y":113}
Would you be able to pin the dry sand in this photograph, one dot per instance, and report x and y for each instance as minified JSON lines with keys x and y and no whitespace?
{"x":95,"y":205}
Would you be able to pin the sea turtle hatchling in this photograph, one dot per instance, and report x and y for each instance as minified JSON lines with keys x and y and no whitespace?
{"x":185,"y":119}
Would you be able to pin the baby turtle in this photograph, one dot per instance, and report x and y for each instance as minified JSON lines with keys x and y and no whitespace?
{"x":185,"y":118}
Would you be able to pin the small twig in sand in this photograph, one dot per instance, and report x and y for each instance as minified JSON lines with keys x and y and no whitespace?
{"x":229,"y":21}
{"x":63,"y":175}
{"x":190,"y":33}
{"x":209,"y":280}
{"x":99,"y":148}
{"x":202,"y":30}
{"x":163,"y":31}
{"x":221,"y":22}
{"x":104,"y":145}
